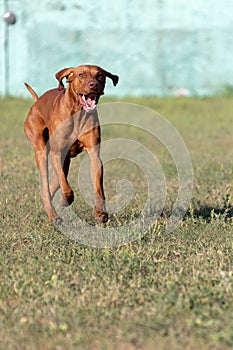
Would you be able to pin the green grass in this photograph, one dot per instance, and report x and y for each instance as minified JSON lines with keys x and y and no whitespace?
{"x":165,"y":290}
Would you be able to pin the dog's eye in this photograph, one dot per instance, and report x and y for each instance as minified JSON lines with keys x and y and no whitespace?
{"x":100,"y":76}
{"x":81,"y":75}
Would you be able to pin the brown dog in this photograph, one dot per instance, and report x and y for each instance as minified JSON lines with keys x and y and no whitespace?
{"x":64,"y":122}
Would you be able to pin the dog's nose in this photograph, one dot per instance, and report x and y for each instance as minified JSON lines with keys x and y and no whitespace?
{"x":93,"y":84}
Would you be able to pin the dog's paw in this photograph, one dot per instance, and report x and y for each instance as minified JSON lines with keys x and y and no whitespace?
{"x":56,"y":221}
{"x":67,"y":199}
{"x":101,"y":216}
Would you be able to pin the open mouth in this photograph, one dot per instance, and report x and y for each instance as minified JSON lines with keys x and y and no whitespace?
{"x":89,"y":101}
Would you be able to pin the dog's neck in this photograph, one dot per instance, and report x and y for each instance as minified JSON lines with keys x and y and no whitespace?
{"x":72,"y":99}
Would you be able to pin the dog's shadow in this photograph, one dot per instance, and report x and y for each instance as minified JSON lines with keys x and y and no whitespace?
{"x":209,"y":213}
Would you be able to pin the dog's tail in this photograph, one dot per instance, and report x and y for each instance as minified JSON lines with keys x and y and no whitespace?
{"x":30,"y":89}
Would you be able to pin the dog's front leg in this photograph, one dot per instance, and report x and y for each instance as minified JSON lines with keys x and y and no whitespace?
{"x":60,"y":176}
{"x":96,"y":169}
{"x":54,"y":183}
{"x":42,"y":163}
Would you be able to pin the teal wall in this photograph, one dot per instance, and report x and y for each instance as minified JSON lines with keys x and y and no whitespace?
{"x":155,"y":46}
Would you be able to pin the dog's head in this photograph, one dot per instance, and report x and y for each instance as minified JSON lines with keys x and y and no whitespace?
{"x":87,"y":82}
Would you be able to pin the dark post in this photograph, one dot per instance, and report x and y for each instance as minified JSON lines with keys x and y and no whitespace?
{"x":9,"y":19}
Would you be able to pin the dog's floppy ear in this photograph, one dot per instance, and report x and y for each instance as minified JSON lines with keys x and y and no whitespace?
{"x":114,"y":78}
{"x":66,"y":72}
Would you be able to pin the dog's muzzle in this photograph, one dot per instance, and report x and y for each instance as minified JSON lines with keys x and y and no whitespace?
{"x":89,"y":101}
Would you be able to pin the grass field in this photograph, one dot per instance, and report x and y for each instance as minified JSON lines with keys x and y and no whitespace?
{"x":164,"y":290}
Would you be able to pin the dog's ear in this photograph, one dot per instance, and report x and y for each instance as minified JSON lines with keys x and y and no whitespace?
{"x":114,"y":78}
{"x":66,"y":72}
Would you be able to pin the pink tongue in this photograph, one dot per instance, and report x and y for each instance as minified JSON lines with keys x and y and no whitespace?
{"x":90,"y":104}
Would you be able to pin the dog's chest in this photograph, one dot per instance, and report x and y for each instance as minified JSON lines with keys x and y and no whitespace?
{"x":84,"y":122}
{"x":83,"y":126}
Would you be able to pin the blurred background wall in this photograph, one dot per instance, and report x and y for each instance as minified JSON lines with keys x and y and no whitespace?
{"x":157,"y":47}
